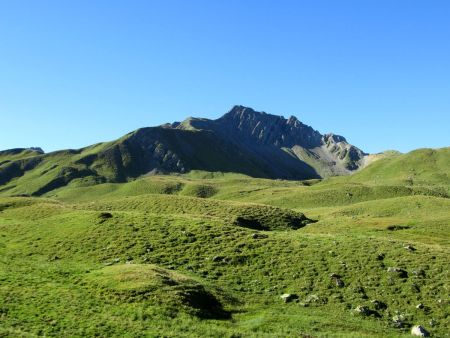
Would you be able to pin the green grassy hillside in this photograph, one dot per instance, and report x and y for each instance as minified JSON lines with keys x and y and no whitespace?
{"x":419,"y":167}
{"x":209,"y":255}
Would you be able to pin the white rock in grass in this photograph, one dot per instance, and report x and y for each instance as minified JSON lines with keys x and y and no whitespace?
{"x":288,"y":297}
{"x":419,"y":331}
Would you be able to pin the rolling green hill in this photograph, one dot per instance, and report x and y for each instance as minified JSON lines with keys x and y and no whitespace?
{"x":209,"y":254}
{"x":419,"y":167}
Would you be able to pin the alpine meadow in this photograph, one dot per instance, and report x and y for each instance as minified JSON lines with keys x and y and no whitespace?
{"x":224,"y":169}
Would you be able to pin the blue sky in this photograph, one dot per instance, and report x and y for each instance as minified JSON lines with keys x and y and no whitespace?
{"x":73,"y":73}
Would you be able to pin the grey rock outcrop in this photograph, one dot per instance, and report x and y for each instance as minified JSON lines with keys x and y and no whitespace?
{"x":288,"y":297}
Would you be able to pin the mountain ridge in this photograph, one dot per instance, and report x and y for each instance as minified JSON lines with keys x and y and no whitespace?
{"x":242,"y":141}
{"x":243,"y":125}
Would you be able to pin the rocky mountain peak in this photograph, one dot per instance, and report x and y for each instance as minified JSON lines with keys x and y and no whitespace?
{"x":292,"y":120}
{"x":241,"y":114}
{"x":333,"y":138}
{"x":246,"y":123}
{"x":261,"y":134}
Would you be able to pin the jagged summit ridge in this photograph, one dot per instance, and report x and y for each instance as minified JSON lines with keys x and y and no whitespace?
{"x":327,"y":154}
{"x":270,"y":129}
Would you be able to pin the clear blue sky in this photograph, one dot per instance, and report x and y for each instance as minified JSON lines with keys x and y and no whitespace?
{"x":73,"y":73}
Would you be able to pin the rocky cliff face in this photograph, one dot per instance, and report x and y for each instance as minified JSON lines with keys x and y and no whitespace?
{"x":349,"y":156}
{"x":260,"y":132}
{"x":268,"y":129}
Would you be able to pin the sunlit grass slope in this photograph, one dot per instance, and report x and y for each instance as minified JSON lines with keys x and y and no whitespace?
{"x":209,"y":255}
{"x":419,"y":167}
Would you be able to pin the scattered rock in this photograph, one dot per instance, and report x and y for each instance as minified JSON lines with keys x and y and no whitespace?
{"x":337,"y":280}
{"x":218,"y":259}
{"x":400,"y":272}
{"x":339,"y":283}
{"x":410,"y":247}
{"x":419,"y":331}
{"x":288,"y":297}
{"x":314,"y":299}
{"x":398,"y":321}
{"x":419,"y":273}
{"x":259,"y":236}
{"x":363,"y":310}
{"x":420,"y":306}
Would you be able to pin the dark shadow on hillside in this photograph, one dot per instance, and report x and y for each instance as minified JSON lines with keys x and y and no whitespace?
{"x":205,"y":304}
{"x":250,"y":223}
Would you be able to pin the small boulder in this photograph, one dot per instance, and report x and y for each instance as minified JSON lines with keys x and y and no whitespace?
{"x":337,"y":280}
{"x":419,"y":273}
{"x":312,"y":299}
{"x":339,"y":283}
{"x":288,"y":297}
{"x":410,"y":247}
{"x":419,"y":331}
{"x":420,"y":306}
{"x":398,"y":321}
{"x":400,"y":272}
{"x":362,"y":310}
{"x":259,"y":236}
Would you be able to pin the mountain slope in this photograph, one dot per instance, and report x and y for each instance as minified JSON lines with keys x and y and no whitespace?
{"x":418,"y":167}
{"x":242,"y":141}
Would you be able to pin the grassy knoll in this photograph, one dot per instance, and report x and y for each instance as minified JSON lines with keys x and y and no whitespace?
{"x":118,"y":267}
{"x":210,"y":254}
